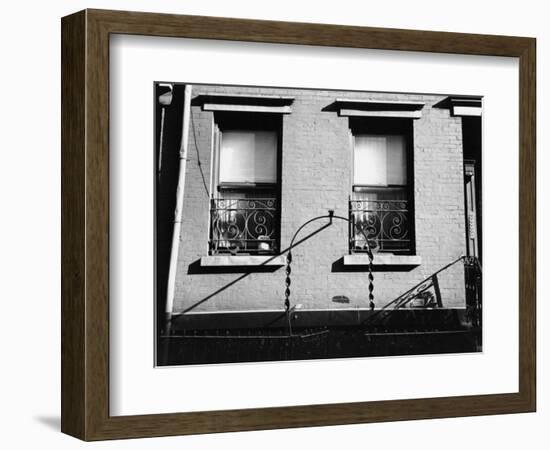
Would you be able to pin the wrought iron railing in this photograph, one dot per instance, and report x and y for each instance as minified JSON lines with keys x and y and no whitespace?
{"x":474,"y":290}
{"x":244,"y":226}
{"x":385,"y":223}
{"x":427,"y":293}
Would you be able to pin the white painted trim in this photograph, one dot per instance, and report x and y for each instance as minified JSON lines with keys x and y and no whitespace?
{"x":379,"y":108}
{"x":247,"y":108}
{"x":248,"y":96}
{"x":412,"y":104}
{"x":242,"y":260}
{"x":383,"y":260}
{"x":363,"y":113}
{"x":467,"y":111}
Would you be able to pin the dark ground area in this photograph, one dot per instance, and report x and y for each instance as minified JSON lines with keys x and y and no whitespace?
{"x":228,"y":346}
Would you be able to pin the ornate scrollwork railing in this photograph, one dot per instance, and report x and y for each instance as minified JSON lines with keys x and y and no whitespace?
{"x":385,"y":223}
{"x":244,"y":226}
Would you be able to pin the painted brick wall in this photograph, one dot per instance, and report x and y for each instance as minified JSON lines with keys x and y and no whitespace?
{"x":316,"y":176}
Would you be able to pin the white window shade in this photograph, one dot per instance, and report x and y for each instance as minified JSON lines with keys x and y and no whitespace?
{"x":380,"y":160}
{"x":248,"y":157}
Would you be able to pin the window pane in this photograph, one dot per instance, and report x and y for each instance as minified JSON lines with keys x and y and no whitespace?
{"x":396,"y":160}
{"x":379,"y":194}
{"x":245,"y":222}
{"x":381,"y":216}
{"x":248,"y":156}
{"x":379,"y":160}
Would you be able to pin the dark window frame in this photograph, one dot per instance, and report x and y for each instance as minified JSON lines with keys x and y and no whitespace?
{"x":246,"y":121}
{"x":383,"y":126}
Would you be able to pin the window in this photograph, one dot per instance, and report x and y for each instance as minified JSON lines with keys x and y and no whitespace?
{"x":245,"y":205}
{"x":248,"y":157}
{"x":380,"y":206}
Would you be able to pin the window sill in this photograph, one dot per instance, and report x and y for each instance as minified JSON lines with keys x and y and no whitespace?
{"x":383,"y":260}
{"x":242,"y":260}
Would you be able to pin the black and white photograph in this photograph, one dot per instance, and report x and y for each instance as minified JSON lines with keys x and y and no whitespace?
{"x":257,"y":225}
{"x":296,"y":224}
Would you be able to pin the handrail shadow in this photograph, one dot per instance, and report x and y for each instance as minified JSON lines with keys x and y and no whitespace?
{"x":244,"y":275}
{"x":406,"y":297}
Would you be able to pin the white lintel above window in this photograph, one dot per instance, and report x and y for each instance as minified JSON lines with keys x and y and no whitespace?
{"x":378,"y":108}
{"x":465,"y":106}
{"x":276,"y":104}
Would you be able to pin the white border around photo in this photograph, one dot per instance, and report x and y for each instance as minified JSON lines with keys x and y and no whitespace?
{"x":138,"y":387}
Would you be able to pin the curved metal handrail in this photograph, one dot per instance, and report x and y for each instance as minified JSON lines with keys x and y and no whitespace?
{"x":329,"y":216}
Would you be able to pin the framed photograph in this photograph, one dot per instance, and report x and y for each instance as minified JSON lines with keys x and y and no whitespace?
{"x":272,"y":225}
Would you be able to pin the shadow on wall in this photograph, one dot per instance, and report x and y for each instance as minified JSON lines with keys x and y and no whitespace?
{"x":338,"y":266}
{"x":195,"y":268}
{"x":166,"y":168}
{"x":247,"y":270}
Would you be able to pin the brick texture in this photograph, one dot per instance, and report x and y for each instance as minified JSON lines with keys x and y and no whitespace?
{"x":316,"y":176}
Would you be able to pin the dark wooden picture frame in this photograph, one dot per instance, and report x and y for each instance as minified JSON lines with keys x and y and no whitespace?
{"x":85,"y":224}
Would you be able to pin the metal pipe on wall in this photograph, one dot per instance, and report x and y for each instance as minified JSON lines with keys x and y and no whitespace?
{"x":165,"y":100}
{"x":178,"y":212}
